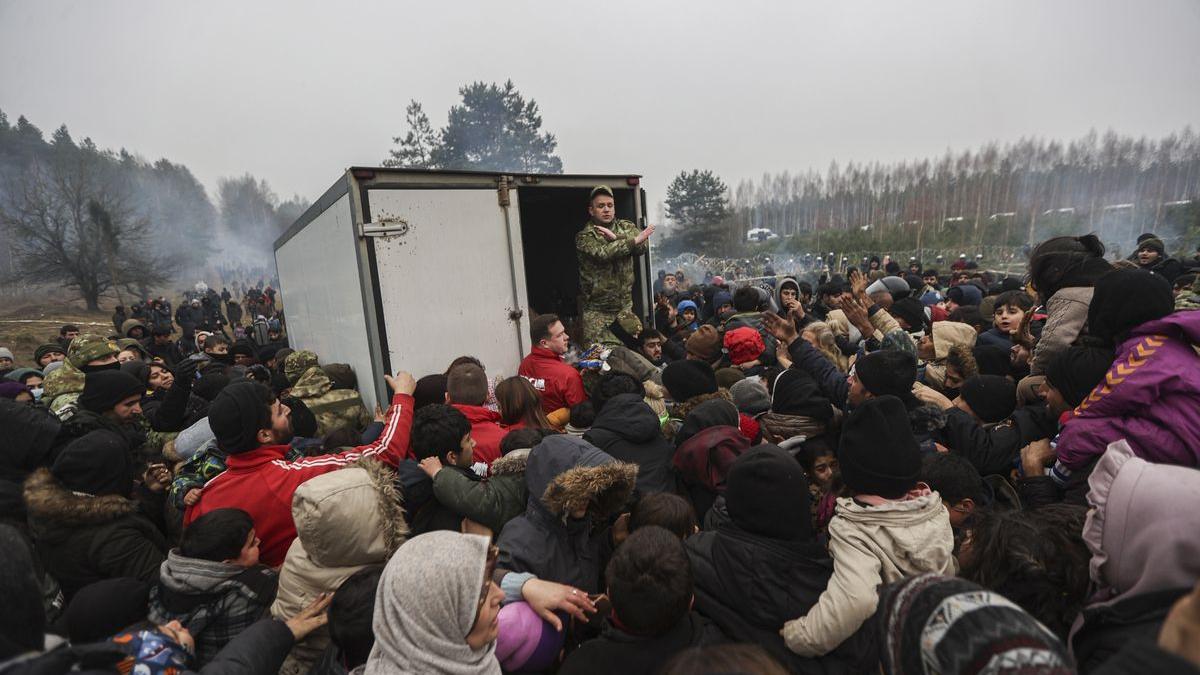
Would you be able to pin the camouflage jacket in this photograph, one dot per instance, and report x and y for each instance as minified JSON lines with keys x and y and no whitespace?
{"x":606,"y":267}
{"x":61,"y":390}
{"x":333,"y":408}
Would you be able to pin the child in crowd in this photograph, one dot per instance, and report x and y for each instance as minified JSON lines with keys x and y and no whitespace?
{"x":649,"y":582}
{"x":824,"y":481}
{"x":666,"y":510}
{"x":212,"y":584}
{"x":1007,"y":316}
{"x":893,"y":526}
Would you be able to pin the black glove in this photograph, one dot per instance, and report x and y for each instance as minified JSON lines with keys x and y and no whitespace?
{"x":185,"y":372}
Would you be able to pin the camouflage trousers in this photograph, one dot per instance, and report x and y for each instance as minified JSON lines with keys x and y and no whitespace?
{"x":595,"y":327}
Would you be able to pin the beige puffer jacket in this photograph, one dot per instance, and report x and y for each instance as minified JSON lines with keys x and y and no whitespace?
{"x":1066,"y":316}
{"x":345,"y":520}
{"x":871,"y":545}
{"x":946,"y":336}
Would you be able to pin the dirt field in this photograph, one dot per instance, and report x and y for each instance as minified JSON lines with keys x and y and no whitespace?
{"x":25,"y":325}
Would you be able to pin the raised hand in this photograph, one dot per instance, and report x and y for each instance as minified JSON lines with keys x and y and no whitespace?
{"x":401,"y":383}
{"x":606,"y":233}
{"x":644,"y":234}
{"x":780,"y":328}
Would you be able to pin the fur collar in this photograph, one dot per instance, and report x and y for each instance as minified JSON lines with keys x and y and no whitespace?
{"x":511,"y":464}
{"x":50,"y":501}
{"x":601,"y":489}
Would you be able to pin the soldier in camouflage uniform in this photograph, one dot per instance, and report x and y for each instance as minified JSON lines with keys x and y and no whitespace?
{"x":63,"y":386}
{"x":606,"y":248}
{"x":333,"y":408}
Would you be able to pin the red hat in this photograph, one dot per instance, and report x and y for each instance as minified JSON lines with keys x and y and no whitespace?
{"x":750,"y":428}
{"x":743,"y":344}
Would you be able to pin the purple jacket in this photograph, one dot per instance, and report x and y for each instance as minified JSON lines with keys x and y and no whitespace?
{"x":1150,"y":397}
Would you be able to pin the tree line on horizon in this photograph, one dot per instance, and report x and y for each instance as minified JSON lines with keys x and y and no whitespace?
{"x":102,"y":222}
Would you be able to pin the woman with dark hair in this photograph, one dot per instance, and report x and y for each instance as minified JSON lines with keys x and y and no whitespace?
{"x":520,"y":404}
{"x":1037,"y":559}
{"x":1063,"y":271}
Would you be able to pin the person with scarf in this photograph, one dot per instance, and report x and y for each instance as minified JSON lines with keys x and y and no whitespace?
{"x":436,"y":609}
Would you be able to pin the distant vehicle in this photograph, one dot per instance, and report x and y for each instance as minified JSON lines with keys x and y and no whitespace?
{"x":760,"y":234}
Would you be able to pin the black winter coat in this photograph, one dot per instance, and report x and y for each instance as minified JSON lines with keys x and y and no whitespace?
{"x":750,"y":585}
{"x":1107,"y":629}
{"x":83,"y":539}
{"x":30,"y":434}
{"x":545,"y":540}
{"x":629,"y":431}
{"x":992,"y":449}
{"x":616,"y":651}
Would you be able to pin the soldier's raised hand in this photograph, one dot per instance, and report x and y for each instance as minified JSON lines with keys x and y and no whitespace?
{"x":644,"y":234}
{"x":606,"y":233}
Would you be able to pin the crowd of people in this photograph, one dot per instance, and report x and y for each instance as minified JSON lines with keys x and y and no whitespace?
{"x":888,"y":469}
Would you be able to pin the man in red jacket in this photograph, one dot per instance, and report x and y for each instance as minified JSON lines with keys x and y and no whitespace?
{"x":466,"y":390}
{"x":560,"y":384}
{"x":253,"y":427}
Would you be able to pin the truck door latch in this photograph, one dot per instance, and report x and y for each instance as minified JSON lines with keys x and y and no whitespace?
{"x":385,"y":227}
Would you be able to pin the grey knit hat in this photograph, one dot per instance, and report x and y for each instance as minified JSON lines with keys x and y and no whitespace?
{"x":750,"y":396}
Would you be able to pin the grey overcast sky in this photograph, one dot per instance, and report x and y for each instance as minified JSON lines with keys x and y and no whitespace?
{"x":294,"y":91}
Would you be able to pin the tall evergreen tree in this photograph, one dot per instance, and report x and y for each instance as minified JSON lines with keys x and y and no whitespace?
{"x":696,"y":200}
{"x":416,"y":148}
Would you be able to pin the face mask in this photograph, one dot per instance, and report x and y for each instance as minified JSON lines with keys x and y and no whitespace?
{"x":115,"y":365}
{"x":226,"y":359}
{"x":37,"y":393}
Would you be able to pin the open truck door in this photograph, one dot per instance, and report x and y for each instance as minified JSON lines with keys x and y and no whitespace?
{"x":409,"y":269}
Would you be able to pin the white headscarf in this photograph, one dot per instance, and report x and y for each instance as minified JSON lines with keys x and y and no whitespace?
{"x":426,"y":605}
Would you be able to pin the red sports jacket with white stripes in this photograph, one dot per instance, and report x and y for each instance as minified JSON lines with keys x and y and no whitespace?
{"x":261,"y":482}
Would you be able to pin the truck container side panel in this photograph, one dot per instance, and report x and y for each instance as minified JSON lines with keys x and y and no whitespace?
{"x":447,"y":282}
{"x":322,"y":293}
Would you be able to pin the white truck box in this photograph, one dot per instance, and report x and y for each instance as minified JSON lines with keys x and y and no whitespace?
{"x":403,"y":269}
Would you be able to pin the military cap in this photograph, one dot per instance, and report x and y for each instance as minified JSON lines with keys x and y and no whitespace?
{"x":87,"y":348}
{"x":297,"y":363}
{"x":600,"y":190}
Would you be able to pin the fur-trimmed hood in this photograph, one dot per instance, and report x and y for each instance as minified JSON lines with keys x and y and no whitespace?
{"x":511,"y":464}
{"x":352,"y":516}
{"x":51,"y":505}
{"x":565,"y":474}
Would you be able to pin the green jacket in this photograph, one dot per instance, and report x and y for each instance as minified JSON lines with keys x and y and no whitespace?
{"x":492,"y":502}
{"x":333,"y":408}
{"x":606,"y":267}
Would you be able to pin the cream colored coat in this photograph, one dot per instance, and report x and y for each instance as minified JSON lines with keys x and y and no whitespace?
{"x":871,"y":545}
{"x":345,"y":520}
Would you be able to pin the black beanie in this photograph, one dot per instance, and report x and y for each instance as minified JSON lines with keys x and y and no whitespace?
{"x":688,"y":378}
{"x":106,"y":388}
{"x":878,"y":454}
{"x":102,"y":609}
{"x":1125,"y":299}
{"x":992,"y":397}
{"x":210,"y":385}
{"x":96,"y":464}
{"x":766,"y":494}
{"x":911,"y":310}
{"x":1076,"y":372}
{"x":234,"y":418}
{"x":430,"y":389}
{"x":138,"y":369}
{"x":888,"y":372}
